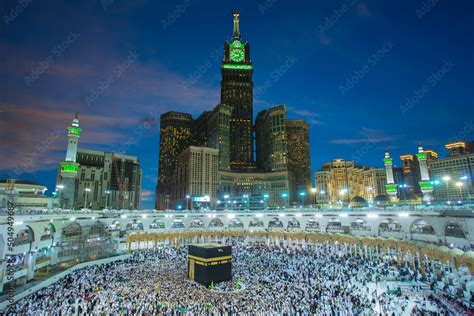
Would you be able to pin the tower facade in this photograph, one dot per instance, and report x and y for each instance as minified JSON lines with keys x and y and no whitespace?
{"x":271,"y":139}
{"x":391,"y":186}
{"x":69,"y":167}
{"x":237,"y":92}
{"x":175,"y":136}
{"x":299,"y":162}
{"x":425,"y":185}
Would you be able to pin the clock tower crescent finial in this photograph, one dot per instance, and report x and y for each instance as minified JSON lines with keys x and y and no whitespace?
{"x":236,"y":15}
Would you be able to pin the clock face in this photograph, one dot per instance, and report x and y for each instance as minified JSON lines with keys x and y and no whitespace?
{"x":237,"y":55}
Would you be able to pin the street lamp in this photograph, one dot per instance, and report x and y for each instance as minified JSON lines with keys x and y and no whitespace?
{"x":226,"y":198}
{"x":85,"y":200}
{"x":247,"y":201}
{"x":313,"y":191}
{"x":302,"y":194}
{"x":265,"y":197}
{"x":187,"y":201}
{"x":60,"y":187}
{"x":285,"y":197}
{"x":459,"y":185}
{"x":107,"y":197}
{"x":404,"y":187}
{"x":343,"y":192}
{"x":446,"y":179}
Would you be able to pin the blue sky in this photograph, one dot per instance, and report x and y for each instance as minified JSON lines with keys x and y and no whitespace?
{"x":366,"y":74}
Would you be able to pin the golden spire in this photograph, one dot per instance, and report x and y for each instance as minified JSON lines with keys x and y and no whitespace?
{"x":236,"y":15}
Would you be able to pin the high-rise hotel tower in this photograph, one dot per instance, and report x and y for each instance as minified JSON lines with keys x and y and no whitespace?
{"x":236,"y":92}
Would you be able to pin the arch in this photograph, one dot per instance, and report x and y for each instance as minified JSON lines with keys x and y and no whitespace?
{"x":256,"y":222}
{"x":293,"y":223}
{"x":24,"y":235}
{"x":72,"y":230}
{"x":360,"y":224}
{"x":312,"y":225}
{"x":196,"y":223}
{"x":358,"y":202}
{"x":454,"y":229}
{"x":115,"y":225}
{"x":236,"y":223}
{"x":98,"y":229}
{"x":422,"y":227}
{"x":390,"y":225}
{"x":135,"y":225}
{"x":216,"y":222}
{"x":157,"y":224}
{"x":48,"y":232}
{"x":334,"y":223}
{"x":275,"y":222}
{"x":177,"y":223}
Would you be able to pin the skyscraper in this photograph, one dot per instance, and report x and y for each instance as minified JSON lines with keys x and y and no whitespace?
{"x":299,"y":163}
{"x":218,"y":133}
{"x":271,"y":139}
{"x":175,"y":137}
{"x":237,"y":92}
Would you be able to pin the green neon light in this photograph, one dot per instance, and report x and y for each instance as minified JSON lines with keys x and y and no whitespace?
{"x":391,"y":188}
{"x":388,"y":161}
{"x":426,"y":186}
{"x":229,"y":66}
{"x":236,"y":44}
{"x":237,"y":55}
{"x":74,"y":130}
{"x":69,"y":167}
{"x":421,"y":156}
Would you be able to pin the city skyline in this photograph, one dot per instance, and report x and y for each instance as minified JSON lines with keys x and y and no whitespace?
{"x":141,"y":65}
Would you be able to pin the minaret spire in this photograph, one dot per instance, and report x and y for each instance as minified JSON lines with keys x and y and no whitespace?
{"x":236,"y":15}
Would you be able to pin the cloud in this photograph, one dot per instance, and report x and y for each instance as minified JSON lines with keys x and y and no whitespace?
{"x":312,"y":117}
{"x":147,"y":195}
{"x":368,"y":136}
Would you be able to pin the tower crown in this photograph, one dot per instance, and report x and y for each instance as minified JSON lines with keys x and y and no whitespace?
{"x":236,"y":33}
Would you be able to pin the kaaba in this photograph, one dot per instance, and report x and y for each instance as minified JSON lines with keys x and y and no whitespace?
{"x":209,"y":263}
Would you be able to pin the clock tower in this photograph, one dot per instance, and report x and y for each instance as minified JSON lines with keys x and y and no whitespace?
{"x":237,"y":92}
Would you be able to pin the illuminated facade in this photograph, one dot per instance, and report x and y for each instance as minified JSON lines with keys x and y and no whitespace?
{"x":342,"y":180}
{"x":107,"y":180}
{"x":175,"y":136}
{"x":197,"y":176}
{"x":271,"y":139}
{"x":299,"y":163}
{"x":212,"y":129}
{"x":237,"y":92}
{"x":453,"y":176}
{"x":267,"y":188}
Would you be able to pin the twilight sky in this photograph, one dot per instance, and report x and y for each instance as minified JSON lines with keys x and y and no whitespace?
{"x":366,"y":74}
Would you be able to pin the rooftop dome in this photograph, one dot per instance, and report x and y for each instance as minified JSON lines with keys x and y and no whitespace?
{"x":381,"y":198}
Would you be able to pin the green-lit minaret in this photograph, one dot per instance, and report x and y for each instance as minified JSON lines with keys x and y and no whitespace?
{"x":68,"y":168}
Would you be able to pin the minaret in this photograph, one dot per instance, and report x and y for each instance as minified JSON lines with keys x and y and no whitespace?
{"x":68,"y":168}
{"x":391,"y":186}
{"x":425,"y":184}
